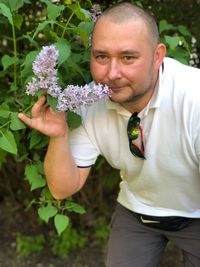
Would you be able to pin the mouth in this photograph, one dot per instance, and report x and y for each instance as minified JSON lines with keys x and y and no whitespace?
{"x":115,"y":88}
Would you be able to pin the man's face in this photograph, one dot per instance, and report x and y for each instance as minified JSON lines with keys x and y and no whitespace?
{"x":122,"y":56}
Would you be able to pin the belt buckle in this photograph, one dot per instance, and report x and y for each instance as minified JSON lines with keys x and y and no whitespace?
{"x":143,"y":220}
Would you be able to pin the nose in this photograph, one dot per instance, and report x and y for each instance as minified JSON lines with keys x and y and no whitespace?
{"x":114,"y":71}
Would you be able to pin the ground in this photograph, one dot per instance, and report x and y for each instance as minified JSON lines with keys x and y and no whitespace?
{"x":14,"y":220}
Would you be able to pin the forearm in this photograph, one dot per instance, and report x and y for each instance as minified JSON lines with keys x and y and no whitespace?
{"x":61,"y":172}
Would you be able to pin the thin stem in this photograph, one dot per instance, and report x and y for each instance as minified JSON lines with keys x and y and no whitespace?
{"x":28,"y":108}
{"x":15,"y":54}
{"x":65,"y":28}
{"x":4,"y":126}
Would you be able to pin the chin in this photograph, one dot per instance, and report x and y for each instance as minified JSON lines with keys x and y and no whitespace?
{"x":120,"y":99}
{"x":117,"y":100}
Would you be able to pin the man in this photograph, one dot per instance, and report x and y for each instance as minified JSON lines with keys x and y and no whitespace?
{"x":149,"y":129}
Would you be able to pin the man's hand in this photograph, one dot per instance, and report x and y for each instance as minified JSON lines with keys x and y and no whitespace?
{"x":45,"y":120}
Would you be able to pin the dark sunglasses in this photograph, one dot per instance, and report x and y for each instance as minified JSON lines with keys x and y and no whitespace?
{"x":134,"y":129}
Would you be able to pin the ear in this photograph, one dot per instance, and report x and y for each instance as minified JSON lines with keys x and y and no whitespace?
{"x":159,"y":55}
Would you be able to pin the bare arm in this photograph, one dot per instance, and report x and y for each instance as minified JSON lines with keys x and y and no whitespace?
{"x":64,"y":178}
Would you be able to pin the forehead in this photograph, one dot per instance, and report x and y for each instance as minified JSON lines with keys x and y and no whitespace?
{"x":127,"y":33}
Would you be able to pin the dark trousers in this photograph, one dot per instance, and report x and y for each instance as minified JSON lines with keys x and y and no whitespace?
{"x":132,"y":244}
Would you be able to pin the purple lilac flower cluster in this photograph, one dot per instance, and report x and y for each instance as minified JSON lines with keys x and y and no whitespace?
{"x":95,"y":12}
{"x":74,"y":96}
{"x":70,"y":98}
{"x":44,"y":69}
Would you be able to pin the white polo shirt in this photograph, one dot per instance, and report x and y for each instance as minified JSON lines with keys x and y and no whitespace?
{"x":167,"y":183}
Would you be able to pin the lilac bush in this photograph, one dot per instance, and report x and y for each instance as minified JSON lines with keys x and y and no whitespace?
{"x":26,"y":25}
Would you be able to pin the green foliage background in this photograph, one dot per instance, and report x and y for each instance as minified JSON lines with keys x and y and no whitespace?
{"x":25,"y":26}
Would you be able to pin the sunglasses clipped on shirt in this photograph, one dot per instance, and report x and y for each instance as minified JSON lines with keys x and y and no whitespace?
{"x":134,"y":129}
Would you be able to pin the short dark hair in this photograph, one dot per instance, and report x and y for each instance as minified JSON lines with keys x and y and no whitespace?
{"x":124,"y":11}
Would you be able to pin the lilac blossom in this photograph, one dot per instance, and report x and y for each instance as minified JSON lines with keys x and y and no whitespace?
{"x":95,"y":12}
{"x":73,"y":96}
{"x":44,"y":69}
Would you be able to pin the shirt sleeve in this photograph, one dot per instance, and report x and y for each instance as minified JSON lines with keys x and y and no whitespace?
{"x":83,"y":150}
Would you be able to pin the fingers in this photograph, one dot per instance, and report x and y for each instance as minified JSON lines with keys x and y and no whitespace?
{"x":36,"y":112}
{"x":43,"y":118}
{"x":39,"y":106}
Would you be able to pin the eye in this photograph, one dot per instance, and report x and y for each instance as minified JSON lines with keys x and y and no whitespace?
{"x":128,"y":59}
{"x":101,"y":58}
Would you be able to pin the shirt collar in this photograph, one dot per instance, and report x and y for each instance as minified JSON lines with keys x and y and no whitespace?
{"x":157,"y":95}
{"x":116,"y":106}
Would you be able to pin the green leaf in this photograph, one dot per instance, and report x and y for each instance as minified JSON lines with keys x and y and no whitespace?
{"x":38,"y":182}
{"x":76,"y":208}
{"x":45,"y":194}
{"x":54,"y":11}
{"x":7,"y":61}
{"x":16,"y":4}
{"x":43,"y":143}
{"x":37,"y":140}
{"x":85,"y":30}
{"x":27,"y":64}
{"x":165,"y":26}
{"x":179,"y":54}
{"x":5,"y":11}
{"x":16,"y":123}
{"x":61,"y":222}
{"x":4,"y":111}
{"x":33,"y":175}
{"x":172,"y":41}
{"x":18,"y":20}
{"x":64,"y":50}
{"x":52,"y":102}
{"x":42,"y":26}
{"x":81,"y":13}
{"x":8,"y":143}
{"x":184,"y":31}
{"x":73,"y":119}
{"x":30,"y":57}
{"x":47,"y":212}
{"x":73,"y":65}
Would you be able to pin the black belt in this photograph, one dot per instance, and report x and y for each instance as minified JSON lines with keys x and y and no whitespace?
{"x":171,"y":223}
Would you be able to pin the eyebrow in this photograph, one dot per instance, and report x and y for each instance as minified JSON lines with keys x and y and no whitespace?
{"x":97,"y":51}
{"x":129,"y":52}
{"x":123,"y":52}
